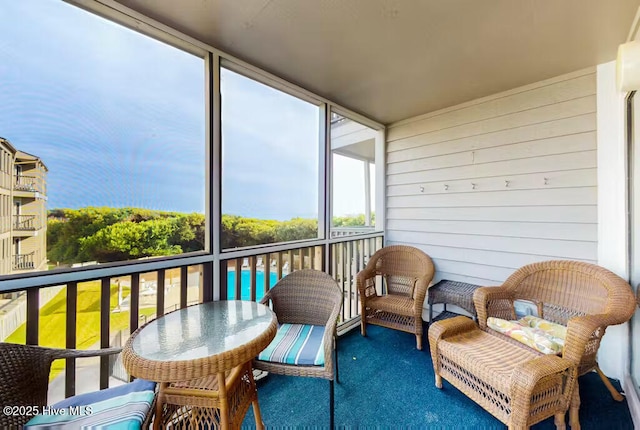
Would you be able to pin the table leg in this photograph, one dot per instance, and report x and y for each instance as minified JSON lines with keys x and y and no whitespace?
{"x":224,"y":401}
{"x":221,"y":399}
{"x":254,"y":403}
{"x":158,"y":418}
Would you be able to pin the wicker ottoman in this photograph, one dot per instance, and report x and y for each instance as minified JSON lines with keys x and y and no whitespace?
{"x":517,"y":385}
{"x":453,"y":292}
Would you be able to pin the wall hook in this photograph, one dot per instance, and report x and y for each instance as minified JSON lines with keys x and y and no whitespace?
{"x":446,"y":187}
{"x":546,"y":181}
{"x":506,"y":183}
{"x":473,"y":186}
{"x":421,"y":189}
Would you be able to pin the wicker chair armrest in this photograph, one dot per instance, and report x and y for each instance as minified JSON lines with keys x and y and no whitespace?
{"x":368,"y":272}
{"x":446,"y":328}
{"x":265,"y":299}
{"x":450,"y":327}
{"x":329,"y":337}
{"x":482,"y":298}
{"x":580,"y":330}
{"x":366,"y":288}
{"x":527,"y":376}
{"x":75,"y":353}
{"x":59,"y":353}
{"x":420,"y":293}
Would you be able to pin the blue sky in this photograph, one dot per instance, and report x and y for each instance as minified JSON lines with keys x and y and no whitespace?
{"x":270,"y":150}
{"x":118,"y":118}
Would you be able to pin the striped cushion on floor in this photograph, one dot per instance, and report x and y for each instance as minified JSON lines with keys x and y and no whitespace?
{"x":298,"y":344}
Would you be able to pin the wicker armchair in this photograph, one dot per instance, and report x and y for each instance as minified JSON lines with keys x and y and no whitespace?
{"x":584,"y":297}
{"x":515,"y":383}
{"x":307,"y":297}
{"x":24,"y":376}
{"x":405,"y":272}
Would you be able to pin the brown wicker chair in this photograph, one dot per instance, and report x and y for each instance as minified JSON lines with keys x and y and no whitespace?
{"x":24,"y":376}
{"x":308,"y":297}
{"x":513,"y":382}
{"x":405,"y":272}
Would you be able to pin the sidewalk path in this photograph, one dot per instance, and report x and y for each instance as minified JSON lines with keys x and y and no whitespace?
{"x":87,"y":380}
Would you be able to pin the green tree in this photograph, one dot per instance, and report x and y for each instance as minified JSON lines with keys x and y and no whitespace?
{"x":352,"y":220}
{"x":69,"y":225}
{"x":77,"y":235}
{"x":116,"y":234}
{"x":228,"y":238}
{"x":190,"y":232}
{"x":238,"y":231}
{"x":252,"y":231}
{"x":130,"y":240}
{"x":296,"y":229}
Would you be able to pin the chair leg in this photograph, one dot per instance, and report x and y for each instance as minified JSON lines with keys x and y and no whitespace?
{"x":254,"y":402}
{"x":558,"y":420}
{"x":419,"y":342}
{"x":614,"y":393}
{"x":257,"y":414}
{"x":438,"y":381}
{"x":363,"y":326}
{"x":574,"y":418}
{"x":331,"y":417}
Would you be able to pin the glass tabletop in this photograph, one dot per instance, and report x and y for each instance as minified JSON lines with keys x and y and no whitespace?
{"x":202,"y":330}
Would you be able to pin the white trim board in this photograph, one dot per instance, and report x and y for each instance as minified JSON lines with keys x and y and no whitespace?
{"x":633,"y":401}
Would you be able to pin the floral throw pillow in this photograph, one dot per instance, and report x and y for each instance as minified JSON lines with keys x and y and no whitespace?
{"x":532,"y":337}
{"x":557,"y":332}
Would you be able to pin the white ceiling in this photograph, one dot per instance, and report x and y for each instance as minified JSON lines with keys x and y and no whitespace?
{"x":394,"y":59}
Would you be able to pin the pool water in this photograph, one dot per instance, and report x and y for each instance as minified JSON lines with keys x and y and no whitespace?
{"x":246,"y":284}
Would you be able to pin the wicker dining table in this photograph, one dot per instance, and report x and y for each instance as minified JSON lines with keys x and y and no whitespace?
{"x":201,"y":357}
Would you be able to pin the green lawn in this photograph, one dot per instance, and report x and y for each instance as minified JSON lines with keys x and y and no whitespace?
{"x":52,"y":329}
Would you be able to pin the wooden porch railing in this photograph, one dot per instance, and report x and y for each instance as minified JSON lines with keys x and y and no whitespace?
{"x":258,"y":273}
{"x":24,"y":261}
{"x":24,"y":222}
{"x":347,"y":256}
{"x":350,"y":231}
{"x":26,"y":183}
{"x":143,"y":294}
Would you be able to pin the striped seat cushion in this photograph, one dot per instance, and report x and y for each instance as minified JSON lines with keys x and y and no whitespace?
{"x":298,"y":344}
{"x":123,"y":407}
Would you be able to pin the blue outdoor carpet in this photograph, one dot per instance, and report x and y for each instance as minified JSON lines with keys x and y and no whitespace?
{"x":386,"y":383}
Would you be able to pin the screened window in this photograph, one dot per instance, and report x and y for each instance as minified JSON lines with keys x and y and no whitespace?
{"x":270,"y":164}
{"x":109,"y":128}
{"x":353,"y":152}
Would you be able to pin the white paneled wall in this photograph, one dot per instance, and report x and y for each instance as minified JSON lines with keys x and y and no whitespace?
{"x":490,"y":185}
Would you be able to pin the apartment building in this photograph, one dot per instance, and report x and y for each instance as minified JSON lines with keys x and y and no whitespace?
{"x":23,"y":212}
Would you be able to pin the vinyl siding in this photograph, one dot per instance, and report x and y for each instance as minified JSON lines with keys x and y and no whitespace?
{"x":491,"y":185}
{"x":29,"y":244}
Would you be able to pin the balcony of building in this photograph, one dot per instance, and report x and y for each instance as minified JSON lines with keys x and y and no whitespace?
{"x":29,"y":177}
{"x":378,"y":374}
{"x":25,"y":225}
{"x":24,"y":261}
{"x":29,"y":186}
{"x":25,"y":183}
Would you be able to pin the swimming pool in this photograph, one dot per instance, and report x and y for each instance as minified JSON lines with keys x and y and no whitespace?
{"x":246,"y":284}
